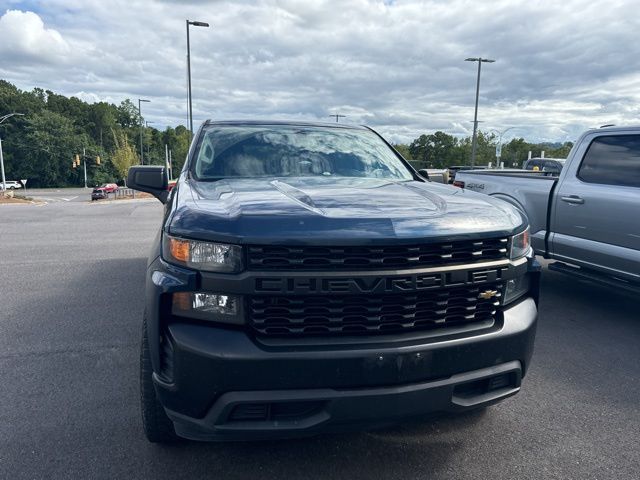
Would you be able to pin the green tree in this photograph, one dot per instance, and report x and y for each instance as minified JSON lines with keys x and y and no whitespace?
{"x":45,"y":152}
{"x":178,"y":141}
{"x":403,"y":150}
{"x":515,"y":153}
{"x":559,"y":151}
{"x":127,"y":114}
{"x":436,"y":150}
{"x":123,"y":157}
{"x":102,"y":118}
{"x":40,"y":145}
{"x":14,"y":100}
{"x":70,"y":107}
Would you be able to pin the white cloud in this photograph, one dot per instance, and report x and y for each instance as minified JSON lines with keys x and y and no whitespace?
{"x":24,"y":38}
{"x":398,"y":66}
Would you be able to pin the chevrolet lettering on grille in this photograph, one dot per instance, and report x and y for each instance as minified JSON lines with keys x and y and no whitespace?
{"x":387,"y":284}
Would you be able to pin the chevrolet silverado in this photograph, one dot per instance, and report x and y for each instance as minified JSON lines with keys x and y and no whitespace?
{"x":307,"y":279}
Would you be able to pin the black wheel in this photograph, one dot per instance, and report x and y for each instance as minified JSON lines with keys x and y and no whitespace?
{"x":158,"y":428}
{"x":12,"y":188}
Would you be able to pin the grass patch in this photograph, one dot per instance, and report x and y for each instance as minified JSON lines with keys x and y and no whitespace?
{"x":8,"y":200}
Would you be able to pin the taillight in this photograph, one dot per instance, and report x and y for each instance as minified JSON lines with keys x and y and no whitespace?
{"x":458,"y":183}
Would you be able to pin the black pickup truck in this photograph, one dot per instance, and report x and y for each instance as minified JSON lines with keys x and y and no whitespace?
{"x":307,"y":279}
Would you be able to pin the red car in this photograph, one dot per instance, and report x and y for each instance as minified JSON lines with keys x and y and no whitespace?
{"x":103,"y":191}
{"x":109,"y":187}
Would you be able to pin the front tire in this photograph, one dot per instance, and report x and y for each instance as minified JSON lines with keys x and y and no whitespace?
{"x":158,"y":427}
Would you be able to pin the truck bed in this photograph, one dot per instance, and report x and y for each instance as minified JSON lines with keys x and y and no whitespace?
{"x":587,"y":220}
{"x":527,"y":190}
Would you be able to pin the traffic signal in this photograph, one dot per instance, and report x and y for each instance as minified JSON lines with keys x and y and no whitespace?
{"x":98,"y":160}
{"x":77,"y":160}
{"x":74,"y":164}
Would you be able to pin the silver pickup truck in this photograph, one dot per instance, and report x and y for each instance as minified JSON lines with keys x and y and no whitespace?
{"x":588,"y":217}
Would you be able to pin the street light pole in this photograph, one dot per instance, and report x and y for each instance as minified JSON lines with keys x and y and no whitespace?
{"x":4,"y":180}
{"x":146,"y":124}
{"x":195,"y":24}
{"x":337,"y":116}
{"x":166,"y":159}
{"x":141,"y":128}
{"x":474,"y":141}
{"x":499,"y":145}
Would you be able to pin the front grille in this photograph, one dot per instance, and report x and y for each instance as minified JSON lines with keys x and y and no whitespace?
{"x":275,"y":257}
{"x":372,"y":314}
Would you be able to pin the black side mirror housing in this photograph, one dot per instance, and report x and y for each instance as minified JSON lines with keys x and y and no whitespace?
{"x":424,"y":173}
{"x":150,"y":179}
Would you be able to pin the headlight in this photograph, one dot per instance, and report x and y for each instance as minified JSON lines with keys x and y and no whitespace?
{"x":207,"y":256}
{"x":520,"y":245}
{"x":208,"y":306}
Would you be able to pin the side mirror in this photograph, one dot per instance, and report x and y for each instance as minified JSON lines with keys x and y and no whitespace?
{"x":424,"y":173}
{"x":150,"y":179}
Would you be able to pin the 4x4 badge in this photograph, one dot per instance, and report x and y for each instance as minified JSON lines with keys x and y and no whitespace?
{"x":487,"y":294}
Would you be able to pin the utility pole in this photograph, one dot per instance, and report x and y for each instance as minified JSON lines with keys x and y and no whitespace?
{"x":337,"y":116}
{"x":166,"y":159}
{"x":474,"y":140}
{"x":84,"y":161}
{"x":141,"y":128}
{"x":195,"y":24}
{"x":146,"y":124}
{"x":4,"y":180}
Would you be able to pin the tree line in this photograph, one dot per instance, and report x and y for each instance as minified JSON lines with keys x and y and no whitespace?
{"x":439,"y":150}
{"x":43,"y":144}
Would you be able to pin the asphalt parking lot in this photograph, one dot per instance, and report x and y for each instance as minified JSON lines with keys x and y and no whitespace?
{"x":70,"y":313}
{"x":53,"y":195}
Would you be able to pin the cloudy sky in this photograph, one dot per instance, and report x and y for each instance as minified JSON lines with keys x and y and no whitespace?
{"x":561,"y":67}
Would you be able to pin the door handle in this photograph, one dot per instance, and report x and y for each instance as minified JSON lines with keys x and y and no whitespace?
{"x":574,"y":199}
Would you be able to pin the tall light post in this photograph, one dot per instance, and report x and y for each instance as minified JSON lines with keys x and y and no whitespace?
{"x":146,"y":124}
{"x":195,"y":24}
{"x":140,"y":100}
{"x":474,"y":140}
{"x":4,"y":180}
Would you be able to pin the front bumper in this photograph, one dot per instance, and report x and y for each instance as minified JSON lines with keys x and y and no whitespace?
{"x":331,"y":410}
{"x":224,"y":384}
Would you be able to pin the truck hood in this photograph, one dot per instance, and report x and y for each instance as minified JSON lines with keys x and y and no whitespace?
{"x":323,"y":210}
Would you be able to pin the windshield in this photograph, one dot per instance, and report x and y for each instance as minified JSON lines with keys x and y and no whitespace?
{"x":294,"y":151}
